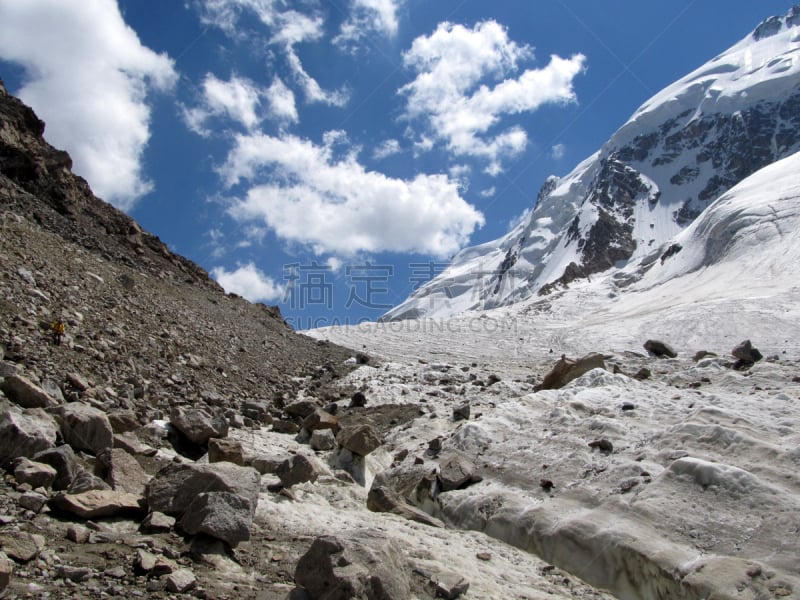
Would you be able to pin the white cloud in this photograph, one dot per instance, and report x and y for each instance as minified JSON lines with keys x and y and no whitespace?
{"x":333,"y":205}
{"x":249,"y":282}
{"x":368,"y":17}
{"x":88,"y":76}
{"x":386,"y":148}
{"x":558,"y":151}
{"x":286,"y":27}
{"x":237,"y":99}
{"x":452,"y":93}
{"x":488,"y":192}
{"x":281,"y":102}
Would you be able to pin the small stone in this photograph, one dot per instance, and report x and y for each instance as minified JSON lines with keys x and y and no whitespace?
{"x":462,"y":412}
{"x":76,"y":574}
{"x":226,"y":450}
{"x":181,"y":581}
{"x":322,"y":440}
{"x":32,"y":501}
{"x":34,"y":473}
{"x":603,"y":445}
{"x":627,"y":485}
{"x":546,"y":484}
{"x":78,"y":381}
{"x":358,"y":400}
{"x":449,"y":585}
{"x":660,"y":349}
{"x":642,"y":374}
{"x":157,"y":522}
{"x":754,"y":571}
{"x":628,"y":406}
{"x":484,"y":556}
{"x":319,"y":419}
{"x":78,"y":534}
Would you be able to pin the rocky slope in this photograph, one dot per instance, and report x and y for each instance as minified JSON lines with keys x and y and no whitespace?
{"x":174,"y":443}
{"x":677,"y":154}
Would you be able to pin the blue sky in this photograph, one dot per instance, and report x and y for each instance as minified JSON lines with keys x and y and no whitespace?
{"x":329,"y":155}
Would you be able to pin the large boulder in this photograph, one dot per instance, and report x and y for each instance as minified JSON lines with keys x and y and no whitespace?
{"x":660,"y":349}
{"x":35,"y":474}
{"x":385,"y":500}
{"x":25,"y":393}
{"x":567,"y":369}
{"x":364,"y":564}
{"x":297,"y":469}
{"x":25,"y":433}
{"x":746,"y":355}
{"x":456,"y":472}
{"x":64,"y":461}
{"x":123,"y":471}
{"x":84,"y":427}
{"x":197,"y":425}
{"x":95,"y":504}
{"x":225,"y":450}
{"x":222,"y":515}
{"x":359,"y":439}
{"x":175,"y":486}
{"x":320,"y":419}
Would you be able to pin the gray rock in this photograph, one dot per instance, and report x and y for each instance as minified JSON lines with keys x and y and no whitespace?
{"x":225,"y":450}
{"x":660,"y":349}
{"x":197,"y":425}
{"x":385,"y":500}
{"x":7,"y":369}
{"x":455,"y":472}
{"x":181,"y":581}
{"x":21,"y":545}
{"x":124,"y":472}
{"x":297,"y":469}
{"x":175,"y":486}
{"x":320,"y":419}
{"x":152,"y":565}
{"x":362,"y":564}
{"x":96,"y":504}
{"x":123,"y":421}
{"x":461,"y":412}
{"x":32,"y":501}
{"x":35,"y":474}
{"x":322,"y":440}
{"x":359,"y":439}
{"x":64,"y":461}
{"x":746,"y":354}
{"x":448,"y":585}
{"x":84,"y":427}
{"x":157,"y":522}
{"x":25,"y":393}
{"x":222,"y":515}
{"x":301,"y":408}
{"x":6,"y":571}
{"x":78,"y":381}
{"x":358,"y":400}
{"x":85,"y":482}
{"x":133,"y":445}
{"x":25,"y":434}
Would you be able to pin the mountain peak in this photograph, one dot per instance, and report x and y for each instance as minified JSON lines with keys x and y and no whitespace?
{"x":773,"y":25}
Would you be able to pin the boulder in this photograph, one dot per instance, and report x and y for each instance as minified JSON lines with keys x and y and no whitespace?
{"x":175,"y":486}
{"x":225,"y":450}
{"x":95,"y":504}
{"x":197,"y":425}
{"x":301,"y":408}
{"x":33,"y":473}
{"x":123,"y":421}
{"x":64,"y":461}
{"x":6,"y":571}
{"x":133,"y":445}
{"x":358,"y":400}
{"x":297,"y":469}
{"x":33,"y":501}
{"x":363,"y":564}
{"x":359,"y":439}
{"x":746,"y":355}
{"x":660,"y":349}
{"x":385,"y":500}
{"x":455,"y":472}
{"x":222,"y":515}
{"x":152,"y":565}
{"x":25,"y":433}
{"x":566,"y":369}
{"x":320,"y":419}
{"x":157,"y":522}
{"x":21,"y":545}
{"x":181,"y":581}
{"x":25,"y":393}
{"x":461,"y":412}
{"x":85,"y":482}
{"x":322,"y":440}
{"x":123,"y":471}
{"x":84,"y":427}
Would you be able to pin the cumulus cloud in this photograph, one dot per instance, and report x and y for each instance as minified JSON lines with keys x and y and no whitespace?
{"x":386,"y":149}
{"x":237,"y":99}
{"x":464,"y":86}
{"x":281,"y":102}
{"x":249,"y":282}
{"x":368,"y":17}
{"x":558,"y":151}
{"x":88,"y":76}
{"x":322,"y":197}
{"x":285,"y":27}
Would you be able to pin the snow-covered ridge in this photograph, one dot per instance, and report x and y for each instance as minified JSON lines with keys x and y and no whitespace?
{"x":678,"y":153}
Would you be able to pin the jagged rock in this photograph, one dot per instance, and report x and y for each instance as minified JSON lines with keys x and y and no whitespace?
{"x":64,"y":461}
{"x":74,"y":574}
{"x":32,"y":501}
{"x":297,"y":469}
{"x":78,"y":381}
{"x":701,"y":354}
{"x":660,"y":349}
{"x":603,"y":445}
{"x":382,"y":499}
{"x":95,"y":504}
{"x":642,"y":374}
{"x":281,"y":426}
{"x":416,"y":482}
{"x":365,"y":564}
{"x":150,"y":564}
{"x":222,"y":515}
{"x":124,"y":472}
{"x":225,"y":450}
{"x":123,"y":421}
{"x":181,"y":581}
{"x":8,"y":369}
{"x":157,"y":522}
{"x":197,"y":425}
{"x":455,"y":472}
{"x":26,"y":433}
{"x":746,"y":355}
{"x":359,"y":439}
{"x":85,"y":482}
{"x":301,"y":408}
{"x":320,"y":419}
{"x":21,"y":545}
{"x":322,"y":440}
{"x":175,"y":486}
{"x":566,"y":369}
{"x":78,"y":534}
{"x":6,"y":571}
{"x":448,"y":585}
{"x":264,"y":464}
{"x":461,"y":412}
{"x":358,"y":400}
{"x":84,"y":427}
{"x":133,"y":445}
{"x":36,"y":474}
{"x":25,"y":393}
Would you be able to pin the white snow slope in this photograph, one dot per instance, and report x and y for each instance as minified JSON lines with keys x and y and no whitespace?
{"x":673,"y":157}
{"x":700,"y":497}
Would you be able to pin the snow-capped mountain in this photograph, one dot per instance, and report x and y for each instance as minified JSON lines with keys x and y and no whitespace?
{"x":678,"y":153}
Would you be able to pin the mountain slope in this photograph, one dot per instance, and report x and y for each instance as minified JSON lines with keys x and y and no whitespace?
{"x":684,"y":147}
